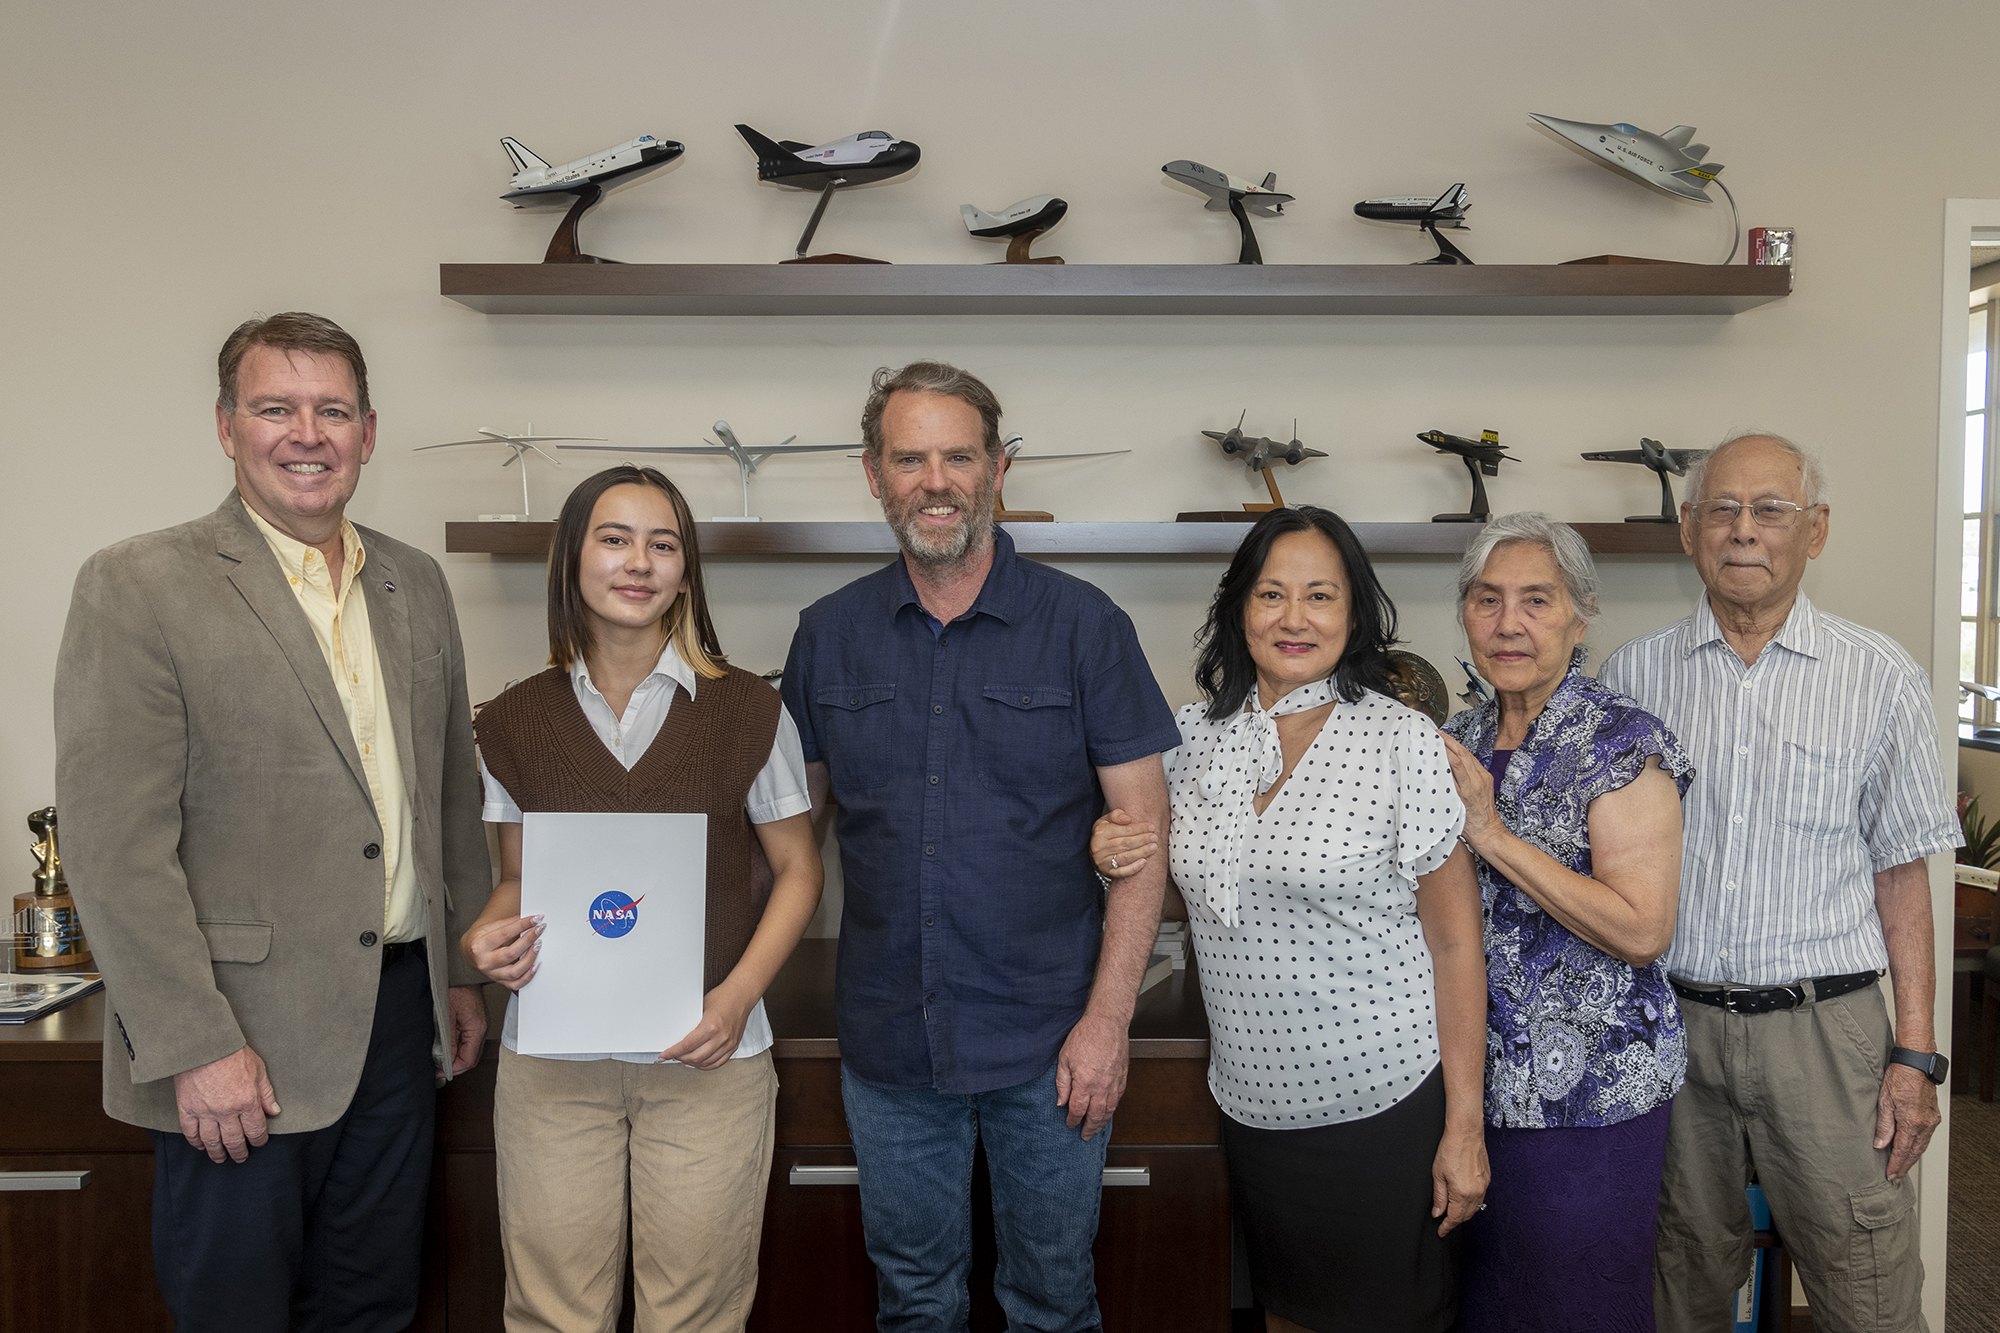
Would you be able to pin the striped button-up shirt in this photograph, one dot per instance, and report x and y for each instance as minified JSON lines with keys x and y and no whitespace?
{"x":1816,"y":766}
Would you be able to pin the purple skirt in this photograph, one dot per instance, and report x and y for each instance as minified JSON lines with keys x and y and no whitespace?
{"x":1565,"y":1244}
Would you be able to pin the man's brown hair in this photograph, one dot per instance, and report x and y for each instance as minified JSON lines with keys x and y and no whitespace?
{"x":688,"y":625}
{"x":929,"y":377}
{"x":293,"y":331}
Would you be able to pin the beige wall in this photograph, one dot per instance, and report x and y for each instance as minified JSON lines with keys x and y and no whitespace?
{"x":176,"y":168}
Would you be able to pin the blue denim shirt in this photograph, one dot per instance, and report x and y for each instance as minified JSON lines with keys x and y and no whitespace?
{"x":964,"y":760}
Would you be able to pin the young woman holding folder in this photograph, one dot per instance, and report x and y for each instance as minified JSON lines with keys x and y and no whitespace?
{"x":639,"y":712}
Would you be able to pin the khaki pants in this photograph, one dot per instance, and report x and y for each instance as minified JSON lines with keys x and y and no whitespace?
{"x":1792,"y":1095}
{"x":696,"y":1147}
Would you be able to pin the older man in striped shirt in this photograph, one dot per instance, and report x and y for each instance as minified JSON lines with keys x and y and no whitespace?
{"x":1819,"y":795}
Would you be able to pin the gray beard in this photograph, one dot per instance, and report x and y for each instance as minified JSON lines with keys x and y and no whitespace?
{"x":937,"y":554}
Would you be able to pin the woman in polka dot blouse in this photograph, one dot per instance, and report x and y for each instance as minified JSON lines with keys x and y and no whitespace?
{"x":1572,"y":795}
{"x":1336,"y":929}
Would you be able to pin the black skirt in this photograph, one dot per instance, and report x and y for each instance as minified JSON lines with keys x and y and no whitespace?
{"x":1337,"y":1219}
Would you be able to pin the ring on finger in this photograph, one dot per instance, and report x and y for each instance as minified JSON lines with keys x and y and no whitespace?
{"x":1114,"y":863}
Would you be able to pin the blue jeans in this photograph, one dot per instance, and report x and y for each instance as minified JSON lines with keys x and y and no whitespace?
{"x":914,"y":1147}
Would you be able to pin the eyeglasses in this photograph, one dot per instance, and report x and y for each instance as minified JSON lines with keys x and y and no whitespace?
{"x":1767,"y":513}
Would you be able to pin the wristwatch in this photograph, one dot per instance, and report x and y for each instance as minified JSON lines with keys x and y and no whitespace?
{"x":1930,"y":1064}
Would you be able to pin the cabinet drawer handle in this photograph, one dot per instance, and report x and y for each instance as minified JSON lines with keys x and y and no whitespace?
{"x":1127,"y":1175}
{"x":42,"y":1181}
{"x":825,"y":1175}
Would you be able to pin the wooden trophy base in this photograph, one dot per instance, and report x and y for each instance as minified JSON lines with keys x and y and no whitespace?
{"x":74,"y":955}
{"x":832,"y":259}
{"x":580,"y":259}
{"x":1023,"y":516}
{"x":1625,"y":259}
{"x":1017,"y":250}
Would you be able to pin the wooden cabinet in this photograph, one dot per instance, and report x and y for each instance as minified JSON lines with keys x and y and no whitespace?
{"x":80,"y":1260}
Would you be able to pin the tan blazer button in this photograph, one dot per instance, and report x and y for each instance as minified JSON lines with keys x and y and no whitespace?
{"x":372,"y":850}
{"x":367,"y":939}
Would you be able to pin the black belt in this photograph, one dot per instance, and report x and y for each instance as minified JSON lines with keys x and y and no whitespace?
{"x":1770,"y":999}
{"x":392,"y":953}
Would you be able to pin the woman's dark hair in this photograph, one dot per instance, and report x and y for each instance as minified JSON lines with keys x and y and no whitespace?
{"x":1223,"y":669}
{"x":569,"y":622}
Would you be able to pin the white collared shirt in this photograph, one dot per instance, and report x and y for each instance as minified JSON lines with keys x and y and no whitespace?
{"x":778,"y":792}
{"x":1815,"y":767}
{"x":339,"y":620}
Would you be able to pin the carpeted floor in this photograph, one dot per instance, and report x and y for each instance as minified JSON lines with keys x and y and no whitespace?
{"x":1972,"y":1237}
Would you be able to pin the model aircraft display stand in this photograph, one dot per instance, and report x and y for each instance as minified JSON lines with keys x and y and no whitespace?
{"x":563,"y":246}
{"x":1114,"y":289}
{"x":1054,"y":539}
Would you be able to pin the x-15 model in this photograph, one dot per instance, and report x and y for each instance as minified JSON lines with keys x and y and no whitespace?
{"x":1228,"y":194}
{"x":1447,"y":210}
{"x":1663,"y":461}
{"x":1666,"y":161}
{"x":1481,"y":455}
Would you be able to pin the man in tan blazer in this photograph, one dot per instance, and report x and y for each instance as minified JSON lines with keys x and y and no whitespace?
{"x":271,"y":822}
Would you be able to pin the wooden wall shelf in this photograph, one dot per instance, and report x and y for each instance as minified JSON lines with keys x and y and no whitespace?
{"x":1112,"y":289}
{"x":1088,"y":539}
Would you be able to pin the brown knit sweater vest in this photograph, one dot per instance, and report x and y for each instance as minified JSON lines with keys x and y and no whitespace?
{"x":537,"y":742}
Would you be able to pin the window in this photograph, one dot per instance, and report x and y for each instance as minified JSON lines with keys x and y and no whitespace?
{"x":1978,"y":641}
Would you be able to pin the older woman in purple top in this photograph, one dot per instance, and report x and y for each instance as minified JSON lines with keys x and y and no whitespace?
{"x":1572,"y":796}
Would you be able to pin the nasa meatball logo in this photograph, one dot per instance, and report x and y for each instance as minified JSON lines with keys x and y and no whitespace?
{"x":613,"y":914}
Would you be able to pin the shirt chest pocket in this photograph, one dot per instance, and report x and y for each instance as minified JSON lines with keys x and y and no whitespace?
{"x":1028,"y":737}
{"x":1819,"y":789}
{"x":857,"y":734}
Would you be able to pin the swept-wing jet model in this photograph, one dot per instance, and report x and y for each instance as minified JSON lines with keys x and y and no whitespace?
{"x":1011,"y":449}
{"x":1228,"y":194}
{"x":1667,"y":161}
{"x":1664,"y":462}
{"x":586,"y":178}
{"x":747,"y":456}
{"x":1018,"y":225}
{"x":1262,"y":455}
{"x":859,"y":159}
{"x":518,"y":448}
{"x":1447,"y":210}
{"x":1481,"y":455}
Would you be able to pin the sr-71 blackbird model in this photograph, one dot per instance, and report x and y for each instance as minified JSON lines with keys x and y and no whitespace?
{"x":1228,"y":194}
{"x":1447,"y":210}
{"x":1481,"y":455}
{"x":859,"y":159}
{"x":1663,"y":461}
{"x":1260,"y":455}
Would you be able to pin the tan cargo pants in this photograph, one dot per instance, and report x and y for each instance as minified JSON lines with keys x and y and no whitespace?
{"x":1791,"y":1095}
{"x":696,"y":1146}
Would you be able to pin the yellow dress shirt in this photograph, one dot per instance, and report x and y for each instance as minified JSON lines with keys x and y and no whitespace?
{"x":339,"y":620}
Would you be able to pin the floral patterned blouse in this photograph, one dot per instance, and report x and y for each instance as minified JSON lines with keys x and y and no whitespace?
{"x":1575,"y":1037}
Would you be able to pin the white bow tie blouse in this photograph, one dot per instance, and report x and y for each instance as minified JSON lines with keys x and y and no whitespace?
{"x":1318,"y":984}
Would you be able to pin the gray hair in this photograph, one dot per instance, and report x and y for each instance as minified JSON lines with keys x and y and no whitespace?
{"x":1569,"y":551}
{"x":930,"y":377}
{"x":1812,"y":477}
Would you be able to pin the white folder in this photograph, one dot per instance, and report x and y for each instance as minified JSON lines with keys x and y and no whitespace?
{"x":626,"y":898}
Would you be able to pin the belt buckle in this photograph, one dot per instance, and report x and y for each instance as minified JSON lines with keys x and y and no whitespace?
{"x":1729,"y":994}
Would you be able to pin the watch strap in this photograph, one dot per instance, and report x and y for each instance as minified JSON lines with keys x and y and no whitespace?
{"x":1931,"y":1064}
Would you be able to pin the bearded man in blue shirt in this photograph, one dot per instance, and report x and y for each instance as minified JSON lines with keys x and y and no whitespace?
{"x":973,"y":713}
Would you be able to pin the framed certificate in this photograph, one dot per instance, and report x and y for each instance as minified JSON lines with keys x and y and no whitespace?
{"x":626,"y":898}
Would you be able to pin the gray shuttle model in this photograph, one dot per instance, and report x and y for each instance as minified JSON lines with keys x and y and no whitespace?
{"x":1229,"y":194}
{"x":1669,"y":161}
{"x":1664,"y":462}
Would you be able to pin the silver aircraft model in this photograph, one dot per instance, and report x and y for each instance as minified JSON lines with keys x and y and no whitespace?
{"x":859,"y":159}
{"x":1667,"y":161}
{"x":1228,"y":194}
{"x":747,"y":457}
{"x":1018,"y":225}
{"x":1012,"y":450}
{"x":1664,"y":462}
{"x":587,"y":178}
{"x":518,"y":447}
{"x":1422,"y":211}
{"x":1261,"y":455}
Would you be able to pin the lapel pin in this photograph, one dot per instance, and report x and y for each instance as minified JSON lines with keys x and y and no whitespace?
{"x":388,"y":586}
